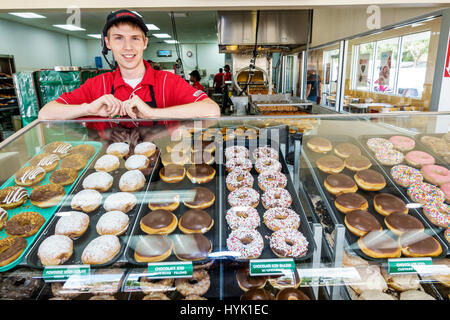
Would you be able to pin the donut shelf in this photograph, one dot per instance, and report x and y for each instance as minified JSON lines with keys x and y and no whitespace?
{"x":47,"y":213}
{"x":390,"y":188}
{"x":80,"y":243}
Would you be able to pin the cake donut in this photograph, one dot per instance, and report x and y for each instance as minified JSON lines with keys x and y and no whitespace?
{"x":276,"y":197}
{"x":197,"y":285}
{"x":357,"y":163}
{"x":153,"y":248}
{"x":267,"y":164}
{"x":386,"y":204}
{"x":389,"y":157}
{"x":64,"y":176}
{"x":425,"y":193}
{"x":172,"y":173}
{"x":100,"y":181}
{"x":47,"y":195}
{"x":370,"y":180}
{"x":200,"y":173}
{"x":74,"y":161}
{"x":243,"y":217}
{"x":107,"y":163}
{"x":146,"y":149}
{"x":3,"y":218}
{"x":85,"y":150}
{"x":159,"y":222}
{"x":112,"y":223}
{"x":238,"y":179}
{"x":59,"y":148}
{"x":101,"y":250}
{"x":361,"y":222}
{"x":340,"y":183}
{"x":236,"y":152}
{"x":132,"y":181}
{"x":247,"y":243}
{"x":55,"y":250}
{"x":419,"y":244}
{"x":242,"y":163}
{"x":12,"y":197}
{"x":347,"y":202}
{"x":330,"y":164}
{"x":265,"y":152}
{"x":271,"y":179}
{"x":202,"y":198}
{"x":405,"y":175}
{"x":345,"y":150}
{"x":318,"y":144}
{"x":418,"y":158}
{"x":288,"y":243}
{"x":72,"y":224}
{"x":437,"y":175}
{"x":436,"y":215}
{"x":118,"y":149}
{"x":120,"y":201}
{"x":29,"y":176}
{"x":376,"y":144}
{"x":47,"y":161}
{"x":11,"y":248}
{"x":152,"y":286}
{"x":281,"y":218}
{"x":86,"y":200}
{"x":244,"y":197}
{"x":137,"y":162}
{"x":402,"y":143}
{"x":24,"y":224}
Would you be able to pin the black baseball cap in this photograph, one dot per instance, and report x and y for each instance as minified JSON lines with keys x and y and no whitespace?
{"x":124,"y":15}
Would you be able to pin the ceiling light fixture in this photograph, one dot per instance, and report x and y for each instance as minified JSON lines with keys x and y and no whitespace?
{"x":151,"y":27}
{"x":27,"y":15}
{"x":69,"y":27}
{"x":161,"y":35}
{"x":97,"y":36}
{"x":171,"y":41}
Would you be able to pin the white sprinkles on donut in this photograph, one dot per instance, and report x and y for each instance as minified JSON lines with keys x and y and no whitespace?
{"x":267,"y":164}
{"x":272,"y":179}
{"x":281,"y":218}
{"x":245,"y":251}
{"x":243,"y":197}
{"x":243,"y":217}
{"x":276,"y":197}
{"x":239,"y":178}
{"x":289,"y":243}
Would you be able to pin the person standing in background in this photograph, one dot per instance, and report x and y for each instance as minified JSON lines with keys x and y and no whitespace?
{"x":227,"y":75}
{"x":195,"y":79}
{"x":218,"y":81}
{"x":313,"y":89}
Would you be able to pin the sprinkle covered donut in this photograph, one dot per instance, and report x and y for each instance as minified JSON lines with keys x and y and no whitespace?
{"x":406,"y":175}
{"x":389,"y":157}
{"x":265,"y":152}
{"x":288,"y":243}
{"x":236,"y":152}
{"x":437,"y":215}
{"x":281,"y":218}
{"x":243,"y":217}
{"x":267,"y":164}
{"x":242,"y":163}
{"x":376,"y":144}
{"x":271,"y":179}
{"x":244,"y":197}
{"x":425,"y":193}
{"x":248,"y":243}
{"x":239,"y":178}
{"x":276,"y":197}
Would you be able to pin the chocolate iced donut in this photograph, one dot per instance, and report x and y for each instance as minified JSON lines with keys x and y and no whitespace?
{"x":385,"y":204}
{"x":345,"y":150}
{"x":199,"y":157}
{"x":361,"y":222}
{"x":86,"y":150}
{"x":246,"y":282}
{"x":201,"y":173}
{"x":47,"y":195}
{"x":257,"y":294}
{"x":346,"y":202}
{"x":318,"y":144}
{"x":340,"y":183}
{"x":10,"y":249}
{"x":202,"y":198}
{"x":195,"y":221}
{"x":291,"y":294}
{"x":203,"y":146}
{"x":29,"y":176}
{"x":64,"y":176}
{"x":370,"y":180}
{"x":419,"y":244}
{"x":170,"y":201}
{"x":399,"y":223}
{"x":74,"y":161}
{"x":357,"y":163}
{"x":24,"y":224}
{"x":159,"y":222}
{"x":153,"y":248}
{"x":172,"y":173}
{"x":330,"y":164}
{"x":191,"y":247}
{"x":377,"y":244}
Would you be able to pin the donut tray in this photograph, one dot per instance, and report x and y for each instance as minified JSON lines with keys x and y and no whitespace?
{"x":47,"y":213}
{"x":423,"y":145}
{"x":80,"y":243}
{"x":304,"y":228}
{"x":387,"y":169}
{"x":390,"y":188}
{"x":157,"y":185}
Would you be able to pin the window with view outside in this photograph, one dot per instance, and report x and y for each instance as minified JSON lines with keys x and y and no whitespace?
{"x":364,"y":67}
{"x":385,"y":66}
{"x":413,"y":64}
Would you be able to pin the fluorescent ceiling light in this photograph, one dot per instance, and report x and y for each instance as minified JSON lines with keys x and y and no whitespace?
{"x":97,"y":36}
{"x":179,"y":14}
{"x":152,"y":27}
{"x":69,"y":27}
{"x":161,"y":35}
{"x":27,"y":15}
{"x":170,"y":41}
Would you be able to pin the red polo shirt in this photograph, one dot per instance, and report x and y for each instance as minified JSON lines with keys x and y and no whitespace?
{"x":169,"y":90}
{"x":197,"y":85}
{"x":227,"y":76}
{"x":218,"y":79}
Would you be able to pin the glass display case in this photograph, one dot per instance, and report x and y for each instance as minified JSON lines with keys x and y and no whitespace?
{"x":313,"y":207}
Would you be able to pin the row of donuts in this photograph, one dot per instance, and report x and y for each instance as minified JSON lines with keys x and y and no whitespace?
{"x":373,"y":241}
{"x":58,"y":248}
{"x":27,"y":223}
{"x":439,"y":145}
{"x":243,"y":218}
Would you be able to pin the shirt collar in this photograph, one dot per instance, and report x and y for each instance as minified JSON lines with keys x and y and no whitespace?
{"x":148,"y":79}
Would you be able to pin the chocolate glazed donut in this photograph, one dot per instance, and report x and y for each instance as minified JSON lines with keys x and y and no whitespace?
{"x":201,"y":173}
{"x":202,"y":198}
{"x":195,"y":221}
{"x":291,"y":294}
{"x":246,"y":282}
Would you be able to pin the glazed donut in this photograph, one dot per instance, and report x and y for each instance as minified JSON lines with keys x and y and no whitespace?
{"x":339,"y":183}
{"x":418,"y":158}
{"x":265,"y":152}
{"x":436,"y":175}
{"x":248,"y":243}
{"x":107,"y":163}
{"x":244,"y":197}
{"x":276,"y":197}
{"x":195,"y":221}
{"x":159,"y":222}
{"x":100,"y":181}
{"x":238,"y":179}
{"x":152,"y":286}
{"x":357,"y":163}
{"x":137,"y":162}
{"x":200,"y":173}
{"x":243,"y":217}
{"x":370,"y":180}
{"x":402,"y":143}
{"x":271,"y":179}
{"x":318,"y":144}
{"x":101,"y":250}
{"x":197,"y":285}
{"x":405,"y":175}
{"x":436,"y":215}
{"x":48,"y":161}
{"x":64,"y":176}
{"x":267,"y":164}
{"x":361,"y":222}
{"x":345,"y":150}
{"x":330,"y":164}
{"x":112,"y":222}
{"x":288,"y":243}
{"x":242,"y":163}
{"x":385,"y":204}
{"x":132,"y":181}
{"x":419,"y":244}
{"x":376,"y":144}
{"x":172,"y":173}
{"x":347,"y":202}
{"x":425,"y":193}
{"x":55,"y":250}
{"x":12,"y":197}
{"x":24,"y":224}
{"x":146,"y":149}
{"x":72,"y":224}
{"x":118,"y":149}
{"x":11,"y":248}
{"x":86,"y":200}
{"x":29,"y":176}
{"x":389,"y":157}
{"x":74,"y":161}
{"x":120,"y":201}
{"x":153,"y":248}
{"x":236,"y":152}
{"x":281,"y":218}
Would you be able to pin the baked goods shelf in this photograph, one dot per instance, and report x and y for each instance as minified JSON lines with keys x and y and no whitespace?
{"x":390,"y":188}
{"x":46,"y":213}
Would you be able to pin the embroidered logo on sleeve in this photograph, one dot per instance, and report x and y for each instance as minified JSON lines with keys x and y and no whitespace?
{"x":197,"y":93}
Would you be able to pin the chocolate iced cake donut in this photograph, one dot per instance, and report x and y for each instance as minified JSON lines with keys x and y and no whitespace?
{"x":370,"y":180}
{"x":247,"y":282}
{"x":12,"y":197}
{"x":195,"y":221}
{"x":10,"y":249}
{"x":20,"y":284}
{"x":347,"y":202}
{"x":24,"y":224}
{"x":29,"y":176}
{"x":74,"y":161}
{"x":172,"y":173}
{"x":159,"y":222}
{"x":377,"y":244}
{"x":419,"y":244}
{"x":361,"y":222}
{"x":169,"y":201}
{"x":153,"y":248}
{"x":202,"y":198}
{"x":340,"y":183}
{"x":400,"y":223}
{"x":63,"y":177}
{"x":200,"y":173}
{"x":191,"y":247}
{"x":47,"y":195}
{"x":46,"y":161}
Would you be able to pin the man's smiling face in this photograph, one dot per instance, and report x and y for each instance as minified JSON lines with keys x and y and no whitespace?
{"x":127,"y":42}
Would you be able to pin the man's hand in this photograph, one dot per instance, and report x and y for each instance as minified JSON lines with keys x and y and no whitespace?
{"x":136,"y":108}
{"x":105,"y":106}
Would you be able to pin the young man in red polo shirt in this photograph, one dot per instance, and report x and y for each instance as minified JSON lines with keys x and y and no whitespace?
{"x":134,"y":89}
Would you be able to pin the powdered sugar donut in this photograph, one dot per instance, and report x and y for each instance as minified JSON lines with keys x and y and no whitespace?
{"x":376,"y":144}
{"x":406,"y":175}
{"x":437,"y":215}
{"x":107,"y":163}
{"x":86,"y":200}
{"x":242,"y":163}
{"x":132,"y":181}
{"x":267,"y":164}
{"x":244,"y":197}
{"x":243,"y":217}
{"x":118,"y":149}
{"x":145,"y":148}
{"x":425,"y":193}
{"x":120,"y":201}
{"x":276,"y":197}
{"x":236,"y":152}
{"x":137,"y":162}
{"x":248,"y":243}
{"x":100,"y":181}
{"x":101,"y":250}
{"x":289,"y":243}
{"x":418,"y":158}
{"x":402,"y":143}
{"x":265,"y":152}
{"x":239,"y":178}
{"x":271,"y":179}
{"x":435,"y":174}
{"x":445,"y":188}
{"x":112,"y":222}
{"x":281,"y":218}
{"x":389,"y":157}
{"x":72,"y":224}
{"x":55,"y":250}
